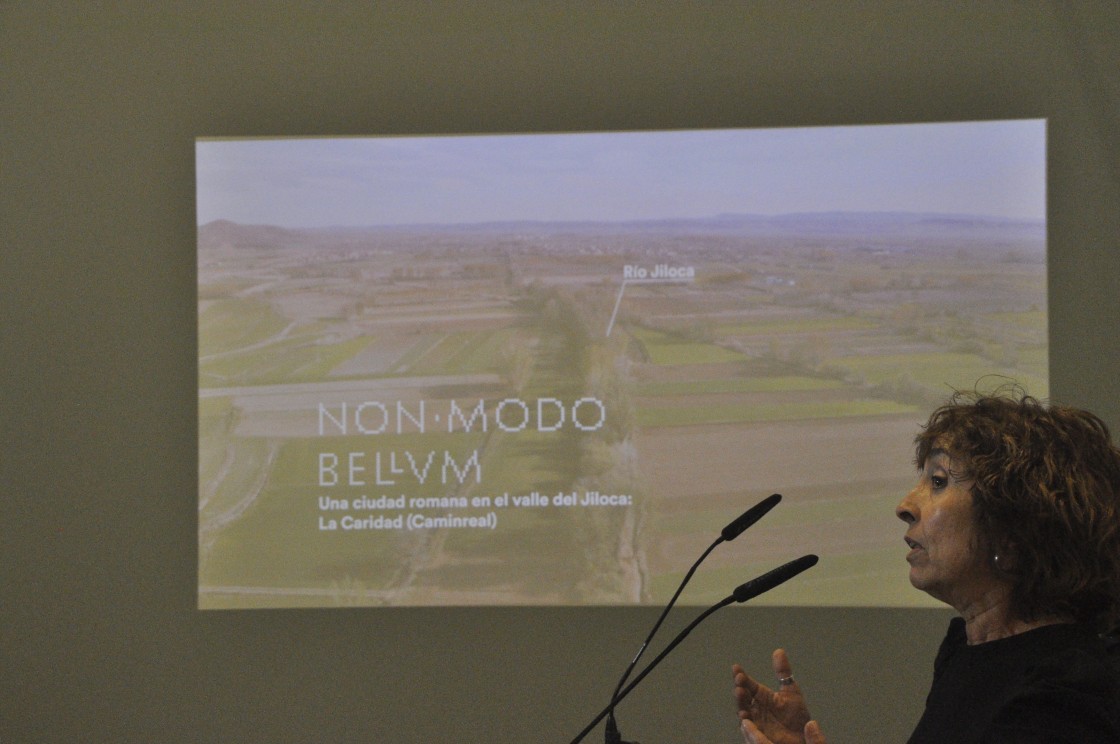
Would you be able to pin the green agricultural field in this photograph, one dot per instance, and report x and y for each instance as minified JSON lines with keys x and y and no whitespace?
{"x":936,"y":370}
{"x":796,"y":326}
{"x":1033,"y":319}
{"x":215,"y":418}
{"x":479,"y":352}
{"x":753,"y":413}
{"x":290,"y":360}
{"x":417,"y":351}
{"x":277,"y":542}
{"x":229,"y":468}
{"x":465,"y":352}
{"x":739,"y":385}
{"x":529,"y":460}
{"x":1034,"y":362}
{"x":663,"y":348}
{"x":230,"y":477}
{"x":231,"y":324}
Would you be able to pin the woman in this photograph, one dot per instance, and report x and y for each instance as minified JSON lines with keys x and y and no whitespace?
{"x":1015,"y":523}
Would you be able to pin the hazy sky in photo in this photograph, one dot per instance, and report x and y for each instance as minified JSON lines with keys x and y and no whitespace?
{"x":993,"y":169}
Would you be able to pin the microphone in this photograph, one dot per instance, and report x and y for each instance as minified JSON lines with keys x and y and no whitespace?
{"x":742,"y":593}
{"x":729,"y":533}
{"x":771,"y":579}
{"x":749,"y":517}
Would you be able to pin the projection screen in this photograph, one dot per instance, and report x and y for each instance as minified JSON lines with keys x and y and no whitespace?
{"x":548,"y":369}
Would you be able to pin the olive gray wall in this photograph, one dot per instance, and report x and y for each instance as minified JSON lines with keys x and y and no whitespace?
{"x":99,"y":634}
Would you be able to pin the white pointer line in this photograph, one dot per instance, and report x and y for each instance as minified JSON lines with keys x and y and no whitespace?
{"x":622,"y":288}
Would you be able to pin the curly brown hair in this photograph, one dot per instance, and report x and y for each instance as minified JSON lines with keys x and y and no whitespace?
{"x":1046,"y":497}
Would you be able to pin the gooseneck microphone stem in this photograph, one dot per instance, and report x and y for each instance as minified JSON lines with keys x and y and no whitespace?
{"x":742,"y":593}
{"x":612,"y":729}
{"x":642,"y":675}
{"x":730,"y":532}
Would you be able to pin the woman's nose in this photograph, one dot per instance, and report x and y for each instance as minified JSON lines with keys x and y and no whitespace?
{"x":906,"y":510}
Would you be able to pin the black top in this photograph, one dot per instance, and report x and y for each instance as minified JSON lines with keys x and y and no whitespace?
{"x":1052,"y":684}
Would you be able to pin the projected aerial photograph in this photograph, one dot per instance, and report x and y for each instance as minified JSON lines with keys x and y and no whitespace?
{"x":548,"y":369}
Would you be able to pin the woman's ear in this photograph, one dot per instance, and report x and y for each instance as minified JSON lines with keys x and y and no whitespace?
{"x":1004,"y":560}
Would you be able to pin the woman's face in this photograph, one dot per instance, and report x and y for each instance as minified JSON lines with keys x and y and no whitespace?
{"x":945,"y":561}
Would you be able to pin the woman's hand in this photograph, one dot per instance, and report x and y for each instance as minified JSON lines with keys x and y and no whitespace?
{"x":774,"y":717}
{"x":752,"y":735}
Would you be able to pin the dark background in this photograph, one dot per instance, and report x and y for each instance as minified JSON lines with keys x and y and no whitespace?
{"x":99,"y":636}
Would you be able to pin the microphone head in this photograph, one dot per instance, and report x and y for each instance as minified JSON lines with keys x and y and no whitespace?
{"x":749,"y":517}
{"x":771,"y":579}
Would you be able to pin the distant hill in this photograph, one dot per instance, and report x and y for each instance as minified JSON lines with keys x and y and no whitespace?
{"x":882,"y":225}
{"x":233,"y":234}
